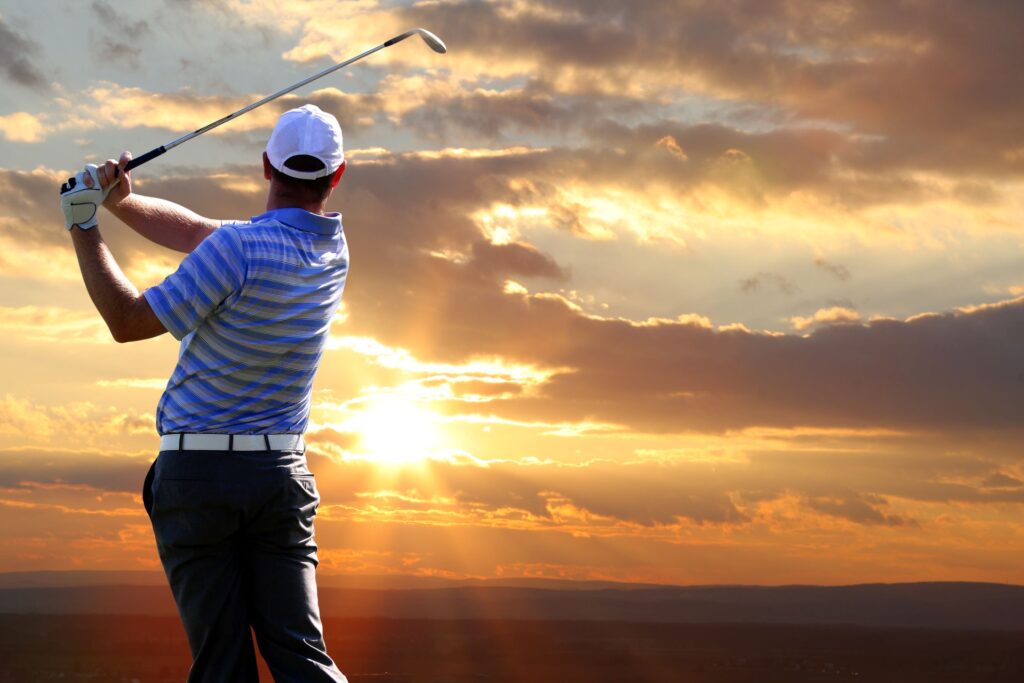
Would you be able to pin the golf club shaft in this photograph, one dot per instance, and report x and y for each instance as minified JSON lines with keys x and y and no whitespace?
{"x":154,"y":153}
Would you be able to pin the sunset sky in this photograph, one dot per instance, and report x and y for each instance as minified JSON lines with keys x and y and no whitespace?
{"x":666,"y":291}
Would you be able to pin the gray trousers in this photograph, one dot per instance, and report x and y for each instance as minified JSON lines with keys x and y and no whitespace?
{"x":234,"y":530}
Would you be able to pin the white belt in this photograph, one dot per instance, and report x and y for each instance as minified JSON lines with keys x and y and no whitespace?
{"x":232,"y":442}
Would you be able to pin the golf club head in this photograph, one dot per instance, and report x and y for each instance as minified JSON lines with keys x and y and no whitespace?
{"x":432,"y":41}
{"x":435,"y":43}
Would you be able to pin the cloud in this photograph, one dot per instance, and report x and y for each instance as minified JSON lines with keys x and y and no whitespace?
{"x":883,"y":471}
{"x":455,"y":112}
{"x":111,"y":105}
{"x":840,"y":271}
{"x":672,"y":145}
{"x":54,"y":325}
{"x":16,"y":52}
{"x":941,"y":372}
{"x":83,"y":421}
{"x":514,"y":259}
{"x":896,"y":84}
{"x":650,"y":494}
{"x":898,"y":481}
{"x":97,"y":469}
{"x":897,"y":69}
{"x":32,"y":207}
{"x":753,"y":284}
{"x":1003,"y":481}
{"x":946,"y":371}
{"x":127,"y":107}
{"x":862,"y":509}
{"x":133,"y":383}
{"x":827,"y":316}
{"x":116,"y":36}
{"x":21,"y":127}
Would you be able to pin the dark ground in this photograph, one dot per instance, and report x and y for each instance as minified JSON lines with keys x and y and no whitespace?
{"x":151,"y":649}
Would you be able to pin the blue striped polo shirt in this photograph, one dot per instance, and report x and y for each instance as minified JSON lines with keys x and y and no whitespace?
{"x":252,"y":306}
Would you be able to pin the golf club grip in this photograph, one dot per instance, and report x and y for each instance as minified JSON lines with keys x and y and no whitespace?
{"x":148,"y":156}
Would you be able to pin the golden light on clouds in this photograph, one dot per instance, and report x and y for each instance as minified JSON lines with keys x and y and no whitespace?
{"x":21,"y":127}
{"x":403,"y":359}
{"x":733,"y":310}
{"x":54,"y":325}
{"x":833,"y":315}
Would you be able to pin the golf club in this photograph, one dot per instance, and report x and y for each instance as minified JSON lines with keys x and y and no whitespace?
{"x":435,"y":44}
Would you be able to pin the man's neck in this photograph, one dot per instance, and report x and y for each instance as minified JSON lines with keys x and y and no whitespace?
{"x":275,"y":202}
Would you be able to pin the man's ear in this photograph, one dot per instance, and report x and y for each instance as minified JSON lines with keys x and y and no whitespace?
{"x":337,"y":174}
{"x":266,"y":167}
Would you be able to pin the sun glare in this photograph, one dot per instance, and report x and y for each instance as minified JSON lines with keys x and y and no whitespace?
{"x":395,"y":431}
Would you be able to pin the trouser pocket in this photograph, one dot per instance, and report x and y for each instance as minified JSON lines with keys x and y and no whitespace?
{"x":147,"y":489}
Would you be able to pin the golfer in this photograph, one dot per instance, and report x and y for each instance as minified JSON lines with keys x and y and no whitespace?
{"x":230,"y":496}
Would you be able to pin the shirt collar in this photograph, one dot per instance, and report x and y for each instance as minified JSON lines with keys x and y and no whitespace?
{"x":329,"y":224}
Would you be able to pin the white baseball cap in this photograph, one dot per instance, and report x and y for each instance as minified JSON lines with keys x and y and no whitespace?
{"x":310,"y":131}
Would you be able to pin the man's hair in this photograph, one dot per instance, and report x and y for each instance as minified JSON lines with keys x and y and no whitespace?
{"x":303,"y":190}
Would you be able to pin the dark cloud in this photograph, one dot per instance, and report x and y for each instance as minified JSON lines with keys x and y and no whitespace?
{"x":27,"y":189}
{"x":837,"y":480}
{"x":647,"y":494}
{"x":753,"y":284}
{"x":853,"y":484}
{"x":103,"y":471}
{"x":938,"y":85}
{"x":840,"y":271}
{"x":537,"y":107}
{"x":1003,"y":481}
{"x":117,"y":38}
{"x":754,"y":167}
{"x":16,"y":54}
{"x":862,"y":509}
{"x":937,"y":372}
{"x":909,"y":467}
{"x":239,"y":30}
{"x":942,"y":371}
{"x":492,"y":260}
{"x":949,"y":371}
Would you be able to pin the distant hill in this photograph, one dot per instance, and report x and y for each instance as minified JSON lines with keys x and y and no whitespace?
{"x":378,"y":581}
{"x":960,"y":606}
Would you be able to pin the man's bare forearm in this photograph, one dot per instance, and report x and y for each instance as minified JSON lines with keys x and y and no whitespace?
{"x":126,"y":312}
{"x":164,"y":222}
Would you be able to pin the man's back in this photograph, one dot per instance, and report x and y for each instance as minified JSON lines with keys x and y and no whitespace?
{"x":253,"y":306}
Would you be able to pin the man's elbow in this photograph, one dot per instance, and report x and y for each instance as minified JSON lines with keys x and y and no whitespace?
{"x":121,"y":334}
{"x":131,"y":332}
{"x":135,"y":324}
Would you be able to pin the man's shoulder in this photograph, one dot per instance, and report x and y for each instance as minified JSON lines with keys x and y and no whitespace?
{"x":226,"y":238}
{"x":243,"y":230}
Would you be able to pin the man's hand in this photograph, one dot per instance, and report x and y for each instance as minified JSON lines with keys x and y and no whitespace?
{"x":112,"y":175}
{"x":81,"y":196}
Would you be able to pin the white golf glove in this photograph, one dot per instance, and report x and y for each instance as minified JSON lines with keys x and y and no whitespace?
{"x":80,"y":198}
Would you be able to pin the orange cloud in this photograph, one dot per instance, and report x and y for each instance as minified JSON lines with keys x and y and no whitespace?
{"x":827,"y":316}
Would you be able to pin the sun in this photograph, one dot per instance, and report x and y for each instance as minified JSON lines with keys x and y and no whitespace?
{"x":395,"y":430}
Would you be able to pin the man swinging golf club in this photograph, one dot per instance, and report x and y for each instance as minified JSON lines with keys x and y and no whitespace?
{"x":230,"y":496}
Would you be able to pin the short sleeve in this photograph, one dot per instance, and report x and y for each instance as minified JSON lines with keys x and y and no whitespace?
{"x":206,"y":277}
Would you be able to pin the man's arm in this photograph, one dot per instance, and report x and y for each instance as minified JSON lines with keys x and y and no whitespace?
{"x":158,"y":220}
{"x":126,"y":312}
